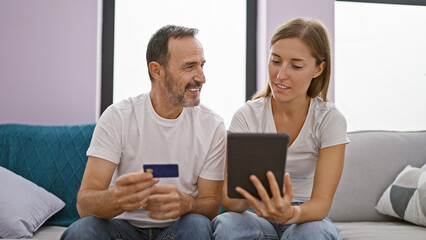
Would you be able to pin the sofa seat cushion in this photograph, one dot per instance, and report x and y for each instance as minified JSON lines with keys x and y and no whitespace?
{"x":380,"y":231}
{"x":49,"y":233}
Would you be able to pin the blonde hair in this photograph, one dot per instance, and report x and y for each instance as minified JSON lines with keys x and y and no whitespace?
{"x":314,"y":34}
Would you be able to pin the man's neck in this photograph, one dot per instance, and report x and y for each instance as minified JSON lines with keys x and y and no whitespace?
{"x":163,"y":107}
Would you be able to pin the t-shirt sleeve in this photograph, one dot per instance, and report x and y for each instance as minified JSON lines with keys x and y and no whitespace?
{"x":106,"y":140}
{"x":214,"y":167}
{"x":333,"y":129}
{"x":239,"y":122}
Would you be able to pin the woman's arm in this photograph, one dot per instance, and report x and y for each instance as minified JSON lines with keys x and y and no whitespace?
{"x":278,"y":209}
{"x":327,"y":177}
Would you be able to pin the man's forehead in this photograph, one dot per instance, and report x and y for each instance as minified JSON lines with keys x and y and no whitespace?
{"x":185,"y":46}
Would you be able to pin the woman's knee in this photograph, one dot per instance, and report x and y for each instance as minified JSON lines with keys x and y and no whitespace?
{"x":320,"y":229}
{"x":247,"y":225}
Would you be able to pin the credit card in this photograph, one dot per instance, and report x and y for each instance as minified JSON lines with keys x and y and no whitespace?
{"x":162,"y":170}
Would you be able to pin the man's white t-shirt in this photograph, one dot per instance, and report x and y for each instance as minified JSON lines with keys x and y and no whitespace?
{"x":130,"y":134}
{"x":324,"y":126}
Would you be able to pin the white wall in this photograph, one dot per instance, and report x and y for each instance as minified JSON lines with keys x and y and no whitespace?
{"x":49,"y":61}
{"x":50,"y":55}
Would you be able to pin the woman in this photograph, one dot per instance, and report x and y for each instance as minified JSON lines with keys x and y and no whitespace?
{"x":294,"y":102}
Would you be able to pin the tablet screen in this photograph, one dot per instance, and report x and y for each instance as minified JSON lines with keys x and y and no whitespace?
{"x":255,"y":153}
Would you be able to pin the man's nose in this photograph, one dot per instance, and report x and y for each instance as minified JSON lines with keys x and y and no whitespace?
{"x":199,"y":76}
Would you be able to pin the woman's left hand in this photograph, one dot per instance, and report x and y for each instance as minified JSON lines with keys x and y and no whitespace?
{"x":278,"y":208}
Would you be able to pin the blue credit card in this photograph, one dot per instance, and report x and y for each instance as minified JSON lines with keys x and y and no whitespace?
{"x":162,"y":170}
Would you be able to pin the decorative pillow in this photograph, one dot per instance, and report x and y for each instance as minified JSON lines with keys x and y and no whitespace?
{"x":24,"y":206}
{"x":405,"y":198}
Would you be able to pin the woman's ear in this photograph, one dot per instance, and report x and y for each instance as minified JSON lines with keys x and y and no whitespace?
{"x":319,"y":69}
{"x":156,"y":70}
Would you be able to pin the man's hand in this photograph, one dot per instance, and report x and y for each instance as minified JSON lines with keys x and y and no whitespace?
{"x":166,"y":202}
{"x":133,"y":189}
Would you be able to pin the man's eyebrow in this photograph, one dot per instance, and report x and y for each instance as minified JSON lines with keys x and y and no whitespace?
{"x":193,"y":63}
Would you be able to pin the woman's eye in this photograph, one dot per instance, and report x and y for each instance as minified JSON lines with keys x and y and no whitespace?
{"x":275,"y":61}
{"x":296,"y":67}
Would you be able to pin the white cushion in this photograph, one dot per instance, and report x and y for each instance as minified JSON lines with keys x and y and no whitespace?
{"x":24,"y":206}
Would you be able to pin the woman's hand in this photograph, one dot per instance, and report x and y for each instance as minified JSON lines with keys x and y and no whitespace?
{"x":278,"y":208}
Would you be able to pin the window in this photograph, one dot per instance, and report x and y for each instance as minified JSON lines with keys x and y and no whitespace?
{"x":380,"y":65}
{"x":222,"y":32}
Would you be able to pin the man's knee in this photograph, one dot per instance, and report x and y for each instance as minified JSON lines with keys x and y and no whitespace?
{"x":197,"y":221}
{"x":84,"y":228}
{"x":190,"y":226}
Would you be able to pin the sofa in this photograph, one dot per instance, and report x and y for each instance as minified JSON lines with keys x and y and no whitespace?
{"x":54,"y":158}
{"x":373,"y":159}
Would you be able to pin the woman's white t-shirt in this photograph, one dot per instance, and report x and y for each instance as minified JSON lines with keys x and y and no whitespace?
{"x":324,"y":126}
{"x":130,"y":134}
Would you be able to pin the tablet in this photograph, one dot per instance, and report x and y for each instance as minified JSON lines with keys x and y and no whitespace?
{"x":255,"y":153}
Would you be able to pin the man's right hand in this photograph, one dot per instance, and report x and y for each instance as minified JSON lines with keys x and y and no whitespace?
{"x":133,"y":189}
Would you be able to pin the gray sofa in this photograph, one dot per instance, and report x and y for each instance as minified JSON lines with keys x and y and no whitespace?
{"x":373,"y":159}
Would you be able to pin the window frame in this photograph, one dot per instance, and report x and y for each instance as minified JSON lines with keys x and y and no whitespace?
{"x":107,"y":72}
{"x":400,"y":2}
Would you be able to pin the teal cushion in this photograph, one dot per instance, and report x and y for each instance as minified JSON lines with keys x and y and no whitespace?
{"x":53,"y":157}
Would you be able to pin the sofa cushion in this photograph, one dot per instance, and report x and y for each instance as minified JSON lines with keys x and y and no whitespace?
{"x":372,"y":160}
{"x":53,"y":157}
{"x":49,"y":232}
{"x":405,"y":198}
{"x":24,"y":206}
{"x":380,"y":231}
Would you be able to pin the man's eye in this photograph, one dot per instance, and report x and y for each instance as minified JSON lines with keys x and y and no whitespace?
{"x":275,"y":61}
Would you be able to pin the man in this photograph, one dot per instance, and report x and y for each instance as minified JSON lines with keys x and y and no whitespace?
{"x":118,"y":200}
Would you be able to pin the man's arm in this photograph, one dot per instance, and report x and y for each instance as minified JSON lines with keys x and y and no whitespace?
{"x":209,"y":198}
{"x":96,"y":198}
{"x":167,"y":202}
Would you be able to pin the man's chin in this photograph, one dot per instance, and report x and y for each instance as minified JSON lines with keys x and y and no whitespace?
{"x":191,"y":103}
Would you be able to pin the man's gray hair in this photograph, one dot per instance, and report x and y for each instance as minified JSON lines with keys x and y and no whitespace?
{"x":157,"y":49}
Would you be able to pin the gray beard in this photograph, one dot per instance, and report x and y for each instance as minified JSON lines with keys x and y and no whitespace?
{"x":172,"y":92}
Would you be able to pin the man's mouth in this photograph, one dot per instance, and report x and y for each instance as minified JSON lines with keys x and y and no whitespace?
{"x":194,"y":89}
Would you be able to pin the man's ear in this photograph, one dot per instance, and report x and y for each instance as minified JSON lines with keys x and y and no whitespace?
{"x":156,"y":70}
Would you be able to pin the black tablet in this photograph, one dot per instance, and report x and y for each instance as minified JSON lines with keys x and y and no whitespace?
{"x":255,"y":153}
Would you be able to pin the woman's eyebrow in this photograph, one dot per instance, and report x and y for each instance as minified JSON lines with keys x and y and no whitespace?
{"x":298,"y":60}
{"x":293,"y":59}
{"x":275,"y":55}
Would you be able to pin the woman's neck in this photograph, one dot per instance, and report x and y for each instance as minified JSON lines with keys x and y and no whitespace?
{"x":293,"y":109}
